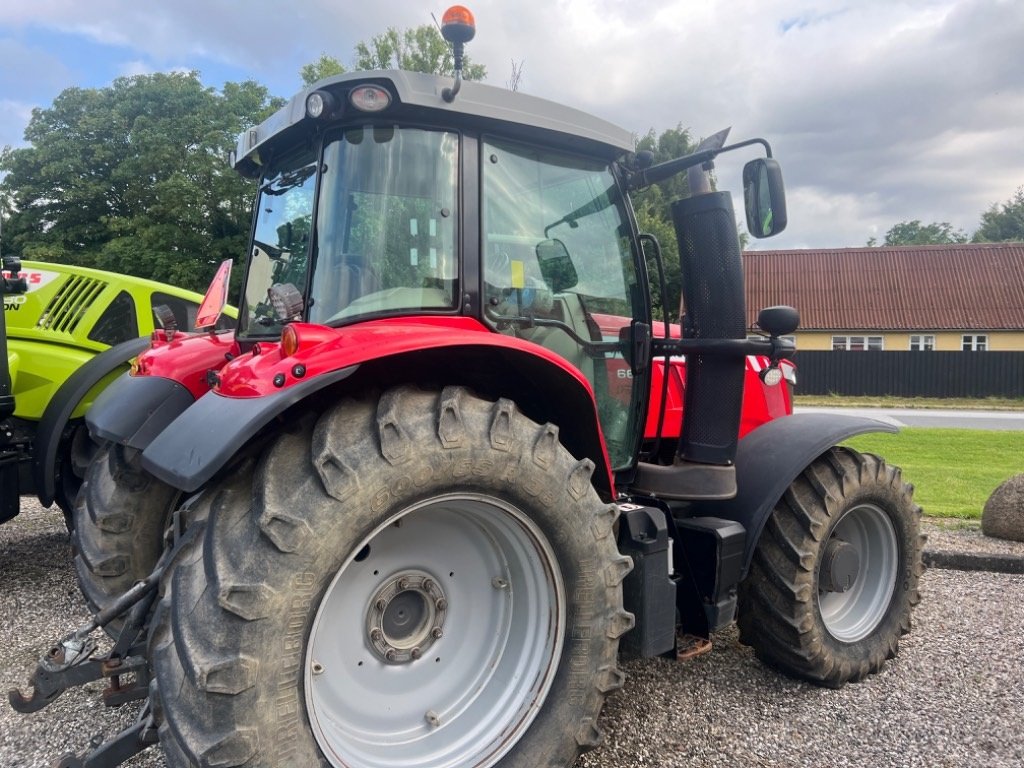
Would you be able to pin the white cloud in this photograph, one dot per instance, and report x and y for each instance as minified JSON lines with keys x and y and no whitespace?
{"x":880,"y":111}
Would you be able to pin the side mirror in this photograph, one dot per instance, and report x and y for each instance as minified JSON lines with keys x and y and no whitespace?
{"x":778,"y":321}
{"x":556,"y":266}
{"x":765,"y":197}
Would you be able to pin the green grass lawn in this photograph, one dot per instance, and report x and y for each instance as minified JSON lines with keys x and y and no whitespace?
{"x":953,"y":470}
{"x":891,"y":401}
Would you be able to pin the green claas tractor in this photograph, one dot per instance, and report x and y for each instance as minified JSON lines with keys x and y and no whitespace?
{"x":66,"y":333}
{"x":449,"y":468}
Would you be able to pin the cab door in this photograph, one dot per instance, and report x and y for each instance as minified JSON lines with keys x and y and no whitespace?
{"x":560,"y":269}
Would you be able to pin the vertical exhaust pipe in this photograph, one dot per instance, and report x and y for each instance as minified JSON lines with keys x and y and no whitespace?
{"x":713,"y":307}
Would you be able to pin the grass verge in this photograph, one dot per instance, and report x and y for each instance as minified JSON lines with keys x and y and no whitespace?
{"x":953,"y":471}
{"x":889,"y":401}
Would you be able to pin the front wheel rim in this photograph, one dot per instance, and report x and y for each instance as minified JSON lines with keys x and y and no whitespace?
{"x":854,"y":614}
{"x":438,"y":639}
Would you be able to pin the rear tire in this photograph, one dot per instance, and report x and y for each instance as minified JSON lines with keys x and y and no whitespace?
{"x":428,"y":579}
{"x":75,"y":454}
{"x":119,"y":520}
{"x":835,"y":574}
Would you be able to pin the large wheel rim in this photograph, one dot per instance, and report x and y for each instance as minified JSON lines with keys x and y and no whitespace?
{"x":438,"y":639}
{"x":856,"y":611}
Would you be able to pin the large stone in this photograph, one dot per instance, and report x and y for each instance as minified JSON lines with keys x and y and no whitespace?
{"x":1003,"y":516}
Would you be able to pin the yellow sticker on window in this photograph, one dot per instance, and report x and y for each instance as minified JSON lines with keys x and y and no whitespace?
{"x":518,"y":274}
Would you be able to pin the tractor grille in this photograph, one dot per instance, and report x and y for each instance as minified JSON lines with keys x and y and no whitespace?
{"x":70,"y":304}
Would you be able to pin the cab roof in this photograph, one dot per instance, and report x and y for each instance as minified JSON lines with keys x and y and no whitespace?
{"x":417,"y":95}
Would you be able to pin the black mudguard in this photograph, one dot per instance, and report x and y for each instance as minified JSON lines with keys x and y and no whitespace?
{"x":203,"y":438}
{"x":133,"y":410}
{"x":62,"y":405}
{"x":771,"y":457}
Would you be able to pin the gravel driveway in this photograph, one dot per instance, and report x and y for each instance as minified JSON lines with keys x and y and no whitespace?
{"x":954,"y":697}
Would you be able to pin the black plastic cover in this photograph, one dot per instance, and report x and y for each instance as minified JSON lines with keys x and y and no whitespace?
{"x":203,"y":438}
{"x":713,"y":549}
{"x":133,"y":410}
{"x":648,"y":592}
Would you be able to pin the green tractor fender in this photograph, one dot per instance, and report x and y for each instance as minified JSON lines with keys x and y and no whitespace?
{"x":64,"y":402}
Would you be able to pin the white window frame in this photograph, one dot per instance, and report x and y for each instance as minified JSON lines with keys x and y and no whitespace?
{"x":858,"y":343}
{"x":974,"y":342}
{"x":922,"y":342}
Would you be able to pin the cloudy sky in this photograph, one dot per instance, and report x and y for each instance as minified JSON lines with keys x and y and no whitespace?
{"x":880,"y":111}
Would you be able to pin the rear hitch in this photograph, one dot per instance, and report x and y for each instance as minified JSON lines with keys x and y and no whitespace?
{"x":131,"y":741}
{"x":69,"y":662}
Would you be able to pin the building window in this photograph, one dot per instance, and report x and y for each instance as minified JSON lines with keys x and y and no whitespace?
{"x":922,"y":343}
{"x":974,"y":342}
{"x":762,"y":337}
{"x":858,"y":343}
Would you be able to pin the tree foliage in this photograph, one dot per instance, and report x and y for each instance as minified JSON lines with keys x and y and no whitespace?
{"x":132,"y":178}
{"x":653,"y":214}
{"x":420,"y":49}
{"x":325,"y":66}
{"x":1003,"y":223}
{"x":916,"y":233}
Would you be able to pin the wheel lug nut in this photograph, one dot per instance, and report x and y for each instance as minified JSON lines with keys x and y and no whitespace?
{"x":427,"y":585}
{"x":403,"y":583}
{"x":381,"y":604}
{"x":390,"y":655}
{"x":376,"y":634}
{"x":441,"y":604}
{"x":436,"y":633}
{"x":415,"y":653}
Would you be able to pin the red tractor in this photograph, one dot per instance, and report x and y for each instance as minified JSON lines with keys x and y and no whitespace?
{"x":449,"y":467}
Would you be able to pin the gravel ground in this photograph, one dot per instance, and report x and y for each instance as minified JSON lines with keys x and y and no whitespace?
{"x":953,"y":697}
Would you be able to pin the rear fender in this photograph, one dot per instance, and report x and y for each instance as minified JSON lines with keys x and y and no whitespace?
{"x":169,"y":377}
{"x":771,"y":457}
{"x":204,"y":438}
{"x":64,"y":402}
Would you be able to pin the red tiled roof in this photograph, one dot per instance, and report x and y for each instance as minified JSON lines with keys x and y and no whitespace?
{"x":932,"y":287}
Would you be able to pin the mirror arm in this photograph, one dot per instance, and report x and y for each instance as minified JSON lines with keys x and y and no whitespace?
{"x":669,"y":168}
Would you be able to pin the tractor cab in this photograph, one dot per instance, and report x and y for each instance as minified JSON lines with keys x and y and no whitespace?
{"x":382,"y":214}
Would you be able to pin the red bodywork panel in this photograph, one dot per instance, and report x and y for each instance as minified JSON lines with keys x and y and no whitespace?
{"x":187,"y":358}
{"x":265,"y":369}
{"x":761,"y":403}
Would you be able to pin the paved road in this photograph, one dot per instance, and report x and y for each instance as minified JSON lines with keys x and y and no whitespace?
{"x":932,"y":417}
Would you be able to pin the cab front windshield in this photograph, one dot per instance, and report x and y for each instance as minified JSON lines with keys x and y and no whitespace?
{"x":381,"y":241}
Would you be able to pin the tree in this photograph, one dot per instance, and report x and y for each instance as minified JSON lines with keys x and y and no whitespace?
{"x":132,"y":178}
{"x":916,"y":233}
{"x":654,"y":216}
{"x":421,"y":49}
{"x":325,"y":66}
{"x":1004,"y":223}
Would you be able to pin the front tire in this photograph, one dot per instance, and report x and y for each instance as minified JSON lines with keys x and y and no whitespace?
{"x":426,"y":580}
{"x":835,"y":574}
